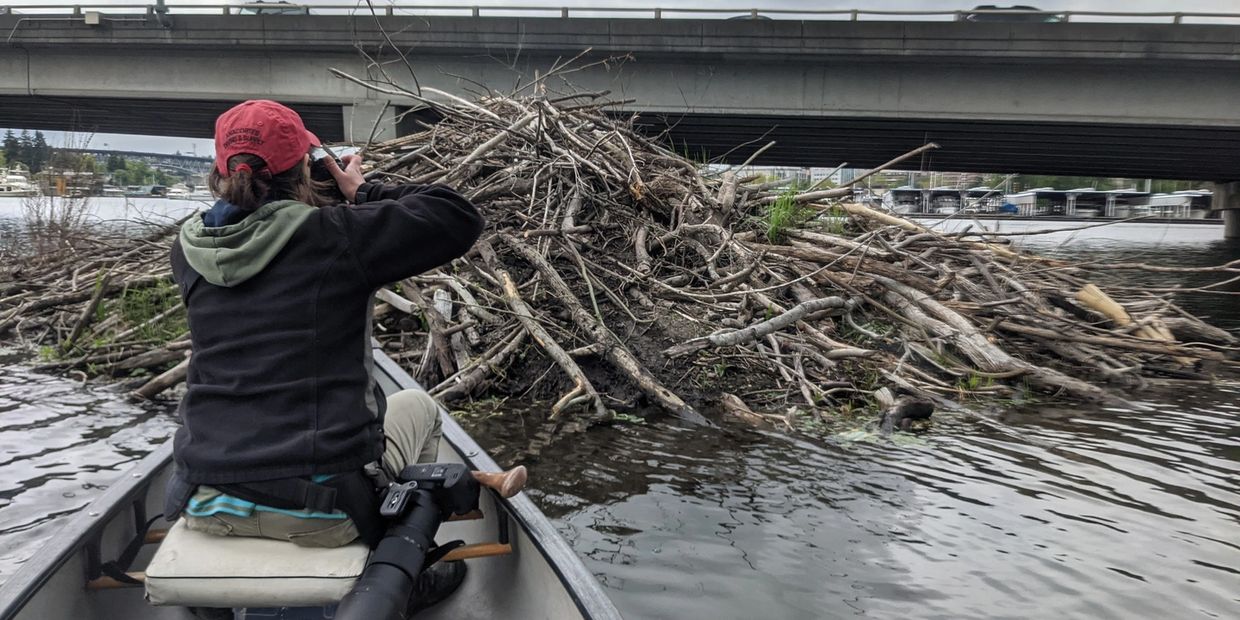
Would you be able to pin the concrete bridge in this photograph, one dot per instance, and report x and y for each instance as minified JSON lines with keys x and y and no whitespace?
{"x":192,"y":164}
{"x":1114,"y":99}
{"x":1105,"y":99}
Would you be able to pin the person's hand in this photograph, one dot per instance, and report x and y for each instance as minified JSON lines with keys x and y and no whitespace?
{"x":348,"y":179}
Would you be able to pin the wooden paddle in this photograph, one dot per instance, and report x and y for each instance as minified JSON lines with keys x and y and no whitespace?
{"x":506,"y":483}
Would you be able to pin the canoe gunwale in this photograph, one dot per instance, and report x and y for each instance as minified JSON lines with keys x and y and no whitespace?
{"x":131,"y":490}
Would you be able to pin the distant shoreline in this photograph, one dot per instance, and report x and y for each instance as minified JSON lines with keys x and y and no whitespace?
{"x":964,"y":217}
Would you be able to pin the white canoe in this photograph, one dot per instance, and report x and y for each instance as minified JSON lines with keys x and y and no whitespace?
{"x":540,"y":577}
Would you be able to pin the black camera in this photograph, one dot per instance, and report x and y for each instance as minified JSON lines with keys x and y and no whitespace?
{"x":323,"y":176}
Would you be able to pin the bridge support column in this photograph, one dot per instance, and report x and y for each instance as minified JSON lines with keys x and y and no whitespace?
{"x":1227,"y":198}
{"x":360,"y":118}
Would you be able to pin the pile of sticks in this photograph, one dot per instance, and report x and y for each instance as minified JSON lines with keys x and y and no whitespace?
{"x":617,"y":276}
{"x":99,"y":304}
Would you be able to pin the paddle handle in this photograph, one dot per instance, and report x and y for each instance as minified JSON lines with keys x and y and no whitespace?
{"x":506,"y":483}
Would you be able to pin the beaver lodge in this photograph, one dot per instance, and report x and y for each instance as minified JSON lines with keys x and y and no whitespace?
{"x":616,"y":277}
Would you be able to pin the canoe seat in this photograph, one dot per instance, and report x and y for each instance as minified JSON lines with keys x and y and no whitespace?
{"x":202,"y":570}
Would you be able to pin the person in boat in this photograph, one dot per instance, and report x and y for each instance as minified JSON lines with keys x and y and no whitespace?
{"x":284,"y":432}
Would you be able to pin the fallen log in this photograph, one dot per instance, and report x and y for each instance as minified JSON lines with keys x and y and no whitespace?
{"x":164,"y":381}
{"x":760,"y":330}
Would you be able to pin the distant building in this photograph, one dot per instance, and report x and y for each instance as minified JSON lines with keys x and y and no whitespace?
{"x":837,"y":176}
{"x":69,"y":183}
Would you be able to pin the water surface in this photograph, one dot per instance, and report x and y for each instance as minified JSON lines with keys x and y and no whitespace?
{"x":1045,"y":513}
{"x":61,"y":444}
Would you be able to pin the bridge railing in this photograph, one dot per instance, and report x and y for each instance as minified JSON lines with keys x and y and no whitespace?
{"x":623,"y":12}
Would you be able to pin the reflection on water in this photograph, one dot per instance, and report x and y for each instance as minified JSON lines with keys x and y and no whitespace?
{"x":61,"y":444}
{"x":1042,"y":512}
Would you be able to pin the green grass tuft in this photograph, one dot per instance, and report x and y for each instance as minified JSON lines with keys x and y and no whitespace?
{"x":142,"y":304}
{"x":784,"y":214}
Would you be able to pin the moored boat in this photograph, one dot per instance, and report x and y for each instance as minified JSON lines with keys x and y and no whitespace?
{"x":189,"y":192}
{"x":146,"y":191}
{"x":178,"y":192}
{"x":523,"y":567}
{"x":14,"y":183}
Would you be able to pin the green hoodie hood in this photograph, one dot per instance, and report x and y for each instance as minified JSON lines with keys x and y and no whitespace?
{"x":230,"y":255}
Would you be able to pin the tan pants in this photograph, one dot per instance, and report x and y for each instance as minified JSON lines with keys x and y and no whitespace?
{"x":411,"y":428}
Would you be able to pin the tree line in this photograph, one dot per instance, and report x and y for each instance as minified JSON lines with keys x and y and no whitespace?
{"x":33,"y":151}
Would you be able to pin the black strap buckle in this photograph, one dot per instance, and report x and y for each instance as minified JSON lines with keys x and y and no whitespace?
{"x":397,"y":499}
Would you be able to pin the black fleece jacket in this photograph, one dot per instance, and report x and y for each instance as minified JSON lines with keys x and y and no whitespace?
{"x":279,"y":382}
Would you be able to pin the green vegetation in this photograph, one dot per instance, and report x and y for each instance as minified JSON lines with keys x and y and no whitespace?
{"x":834,"y":221}
{"x":701,"y":157}
{"x":71,"y":161}
{"x":136,"y":307}
{"x":140,"y":305}
{"x":132,"y":172}
{"x":878,"y":328}
{"x":626,"y":418}
{"x":973,"y":381}
{"x":476,"y":411}
{"x":785,"y":213}
{"x":848,"y":416}
{"x":28,"y":149}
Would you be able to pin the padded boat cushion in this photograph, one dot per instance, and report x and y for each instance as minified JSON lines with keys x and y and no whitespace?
{"x":203,"y":570}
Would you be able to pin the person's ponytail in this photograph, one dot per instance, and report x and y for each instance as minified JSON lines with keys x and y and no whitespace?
{"x":250,"y":185}
{"x":247,"y":185}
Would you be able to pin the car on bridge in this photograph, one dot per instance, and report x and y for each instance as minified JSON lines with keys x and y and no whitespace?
{"x":1018,"y":13}
{"x":249,"y":8}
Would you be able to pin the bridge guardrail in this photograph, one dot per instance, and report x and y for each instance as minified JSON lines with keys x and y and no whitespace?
{"x":278,"y":8}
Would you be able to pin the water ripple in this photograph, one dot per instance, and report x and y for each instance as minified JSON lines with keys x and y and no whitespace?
{"x":1038,"y":514}
{"x":61,"y":444}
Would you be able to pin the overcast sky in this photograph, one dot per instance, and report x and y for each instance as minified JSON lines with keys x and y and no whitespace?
{"x":1057,"y":5}
{"x":126,"y":142}
{"x":187,"y":145}
{"x":1228,"y":6}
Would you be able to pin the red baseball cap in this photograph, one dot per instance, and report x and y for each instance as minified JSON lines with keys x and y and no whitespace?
{"x":265,"y":129}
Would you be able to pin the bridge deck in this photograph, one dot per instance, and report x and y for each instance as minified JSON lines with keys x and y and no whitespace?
{"x":1097,"y":99}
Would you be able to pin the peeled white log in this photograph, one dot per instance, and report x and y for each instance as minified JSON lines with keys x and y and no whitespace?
{"x":758,"y":330}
